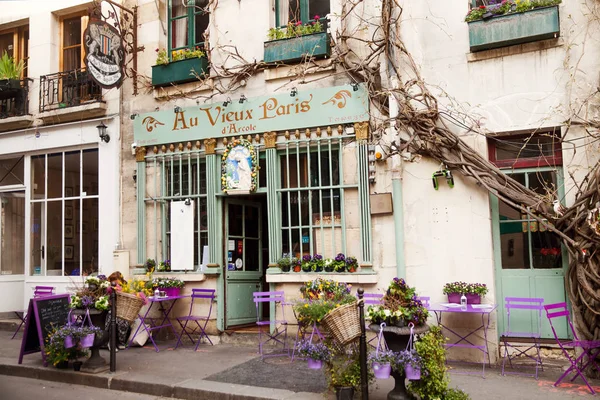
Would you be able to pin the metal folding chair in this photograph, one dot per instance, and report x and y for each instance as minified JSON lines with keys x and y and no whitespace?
{"x":589,"y":348}
{"x":38,"y":291}
{"x":511,"y":339}
{"x":264,"y":326}
{"x":196,"y":322}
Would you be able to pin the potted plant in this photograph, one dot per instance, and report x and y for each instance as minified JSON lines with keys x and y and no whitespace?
{"x":150,"y":265}
{"x":399,"y":306}
{"x":381,"y":362}
{"x":412,"y":363}
{"x":328,"y":265}
{"x":316,"y":353}
{"x":339,"y":263}
{"x":343,"y":372}
{"x":285,"y":263}
{"x":473,"y":291}
{"x":185,"y":65}
{"x":296,"y":41}
{"x":317,"y":263}
{"x":306,"y":263}
{"x":476,"y":292}
{"x":87,"y":334}
{"x":164,"y":266}
{"x":318,"y":298}
{"x":297,"y":265}
{"x":171,"y":286}
{"x":351,"y":264}
{"x":10,"y":72}
{"x":56,"y":352}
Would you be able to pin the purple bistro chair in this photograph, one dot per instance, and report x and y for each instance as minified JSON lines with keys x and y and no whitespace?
{"x":264,"y":326}
{"x":512,"y":339}
{"x":196,"y":322}
{"x":38,"y":291}
{"x":589,"y":348}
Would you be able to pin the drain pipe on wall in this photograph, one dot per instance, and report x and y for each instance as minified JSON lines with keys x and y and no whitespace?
{"x":397,"y":198}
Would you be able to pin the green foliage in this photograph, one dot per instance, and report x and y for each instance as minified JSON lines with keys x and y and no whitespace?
{"x":311,"y":311}
{"x":286,"y":263}
{"x":55,"y":346}
{"x":465,"y":288}
{"x":9,"y":68}
{"x":343,"y":369}
{"x":295,"y":30}
{"x":434,"y":383}
{"x":508,"y":7}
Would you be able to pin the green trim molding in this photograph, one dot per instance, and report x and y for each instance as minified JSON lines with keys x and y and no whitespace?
{"x":510,"y":29}
{"x":179,"y":71}
{"x":295,"y":49}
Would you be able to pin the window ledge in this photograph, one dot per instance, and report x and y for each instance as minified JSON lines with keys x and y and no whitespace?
{"x":22,"y":121}
{"x":75,"y":113}
{"x":183,"y":89}
{"x":347,"y":277}
{"x":192,"y":276}
{"x":290,"y":71}
{"x":516,"y":49}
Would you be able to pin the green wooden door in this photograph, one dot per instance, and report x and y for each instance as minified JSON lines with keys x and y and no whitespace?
{"x":530,"y":261}
{"x":243,"y":256}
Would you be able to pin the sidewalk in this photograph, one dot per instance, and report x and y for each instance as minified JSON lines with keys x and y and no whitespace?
{"x":234,"y":372}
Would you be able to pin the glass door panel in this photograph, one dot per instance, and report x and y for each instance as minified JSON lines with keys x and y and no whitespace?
{"x":12,"y":233}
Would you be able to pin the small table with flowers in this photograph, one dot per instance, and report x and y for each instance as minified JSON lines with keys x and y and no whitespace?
{"x":466,"y":340}
{"x":153,"y":323}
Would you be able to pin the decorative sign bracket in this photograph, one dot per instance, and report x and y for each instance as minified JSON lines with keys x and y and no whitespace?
{"x":125,"y":24}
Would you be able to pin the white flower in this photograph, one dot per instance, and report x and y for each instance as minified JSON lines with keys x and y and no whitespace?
{"x":387,"y":313}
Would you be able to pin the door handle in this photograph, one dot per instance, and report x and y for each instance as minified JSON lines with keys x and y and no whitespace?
{"x":42,"y":252}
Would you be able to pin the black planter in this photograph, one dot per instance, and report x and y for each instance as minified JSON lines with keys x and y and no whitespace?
{"x":96,"y":363}
{"x":329,"y":269}
{"x":77,"y":365}
{"x":62,"y":365}
{"x":344,"y":393}
{"x":285,"y":268}
{"x":397,"y":339}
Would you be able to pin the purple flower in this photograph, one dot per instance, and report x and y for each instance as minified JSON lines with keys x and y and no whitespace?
{"x":317,"y":257}
{"x":340,"y":257}
{"x":306,"y":258}
{"x":87,"y":301}
{"x":102,"y":277}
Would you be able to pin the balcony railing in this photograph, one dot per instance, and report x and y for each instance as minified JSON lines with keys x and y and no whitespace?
{"x":14,"y":98}
{"x":68,"y":89}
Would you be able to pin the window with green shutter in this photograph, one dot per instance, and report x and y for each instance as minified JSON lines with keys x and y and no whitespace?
{"x":300,"y":10}
{"x":188,"y":22}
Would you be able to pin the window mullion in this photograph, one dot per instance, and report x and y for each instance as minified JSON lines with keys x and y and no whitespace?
{"x":191,"y":31}
{"x":304,"y":17}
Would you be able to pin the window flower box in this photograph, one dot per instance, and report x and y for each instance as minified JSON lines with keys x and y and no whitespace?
{"x":510,"y":29}
{"x":179,"y":71}
{"x":295,"y":49}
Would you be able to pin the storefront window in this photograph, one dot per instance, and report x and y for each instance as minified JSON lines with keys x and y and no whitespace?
{"x":64,"y":213}
{"x":311,"y":203}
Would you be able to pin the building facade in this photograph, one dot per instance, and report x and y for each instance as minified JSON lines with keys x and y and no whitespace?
{"x":60,"y":204}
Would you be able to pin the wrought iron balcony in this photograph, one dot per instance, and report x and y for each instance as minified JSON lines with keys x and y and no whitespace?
{"x":14,"y":97}
{"x":68,"y":89}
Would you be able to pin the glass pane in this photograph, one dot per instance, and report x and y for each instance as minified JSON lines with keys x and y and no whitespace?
{"x":202,"y":178}
{"x":293,"y":11}
{"x":318,"y":7}
{"x":252,"y":255}
{"x":201,"y":26}
{"x":89,"y":237}
{"x":12,"y":233}
{"x":90,"y":172}
{"x":543,"y":182}
{"x":55,"y":175}
{"x":178,"y":8}
{"x":72,"y":168}
{"x":236,"y":220}
{"x":514,"y":245}
{"x":36,"y":238}
{"x":251,"y":222}
{"x":54,"y":233}
{"x":71,"y":31}
{"x":546,"y":250}
{"x":179,"y":33}
{"x":203,"y":214}
{"x":6,"y":44}
{"x":262,"y":172}
{"x":527,"y":147}
{"x":38,"y":177}
{"x":12,"y":171}
{"x":71,"y":60}
{"x":72,"y":234}
{"x":295,"y":163}
{"x":508,"y":212}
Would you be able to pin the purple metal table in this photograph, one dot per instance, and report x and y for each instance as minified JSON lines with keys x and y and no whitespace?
{"x":165,"y":322}
{"x":464,"y":340}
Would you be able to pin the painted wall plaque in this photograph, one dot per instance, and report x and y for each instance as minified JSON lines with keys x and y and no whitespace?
{"x":239,"y":168}
{"x":104,"y":54}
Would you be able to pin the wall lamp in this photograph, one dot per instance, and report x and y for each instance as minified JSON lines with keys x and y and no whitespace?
{"x":243,"y":99}
{"x":294,"y":92}
{"x":354,"y":86}
{"x":102,"y":132}
{"x":177,"y":109}
{"x":133,"y":116}
{"x":226,"y":102}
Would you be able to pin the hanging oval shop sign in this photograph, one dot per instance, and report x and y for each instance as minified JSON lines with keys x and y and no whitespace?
{"x":104,"y":54}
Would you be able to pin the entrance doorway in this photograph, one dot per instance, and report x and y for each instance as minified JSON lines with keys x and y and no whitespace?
{"x":246,"y":257}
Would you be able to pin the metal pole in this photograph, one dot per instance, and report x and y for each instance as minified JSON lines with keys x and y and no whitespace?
{"x":364,"y":376}
{"x":113,"y":328}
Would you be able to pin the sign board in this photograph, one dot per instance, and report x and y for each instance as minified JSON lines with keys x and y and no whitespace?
{"x":316,"y":107}
{"x":182,"y":235}
{"x":104,"y":54}
{"x":42,"y":314}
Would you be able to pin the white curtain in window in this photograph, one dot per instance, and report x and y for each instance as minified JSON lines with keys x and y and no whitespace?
{"x":284,"y":11}
{"x":179,"y":27}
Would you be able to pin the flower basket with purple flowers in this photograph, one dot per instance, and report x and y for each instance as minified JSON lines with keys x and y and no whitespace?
{"x":399,"y":306}
{"x":473,"y":291}
{"x":313,"y":352}
{"x":317,"y":263}
{"x":306,"y":263}
{"x":339,"y":263}
{"x":351,"y":264}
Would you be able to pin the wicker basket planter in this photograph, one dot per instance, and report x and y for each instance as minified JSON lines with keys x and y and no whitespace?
{"x":128,"y":306}
{"x":343,"y":323}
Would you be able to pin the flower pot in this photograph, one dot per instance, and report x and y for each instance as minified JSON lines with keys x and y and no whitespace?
{"x":62,"y":365}
{"x":318,"y":268}
{"x":412,"y":374}
{"x":329,"y":269}
{"x":454,"y":298}
{"x":342,"y":269}
{"x":473,"y":299}
{"x":69,"y":342}
{"x":171,"y":292}
{"x":297,"y":268}
{"x":306,"y":268}
{"x":77,"y":365}
{"x":382,"y":371}
{"x":285,"y":268}
{"x":344,"y":393}
{"x":314,"y":364}
{"x":351,"y":269}
{"x":88,"y":340}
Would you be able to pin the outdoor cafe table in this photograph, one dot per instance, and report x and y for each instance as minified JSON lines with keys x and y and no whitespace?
{"x":466,"y":340}
{"x":151,"y":324}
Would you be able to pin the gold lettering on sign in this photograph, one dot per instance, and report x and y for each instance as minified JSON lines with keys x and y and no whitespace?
{"x":179,"y":119}
{"x":272,"y":109}
{"x":339,"y":99}
{"x":151,"y":123}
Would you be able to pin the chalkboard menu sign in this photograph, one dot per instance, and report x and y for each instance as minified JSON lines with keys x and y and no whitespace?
{"x":42,"y":314}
